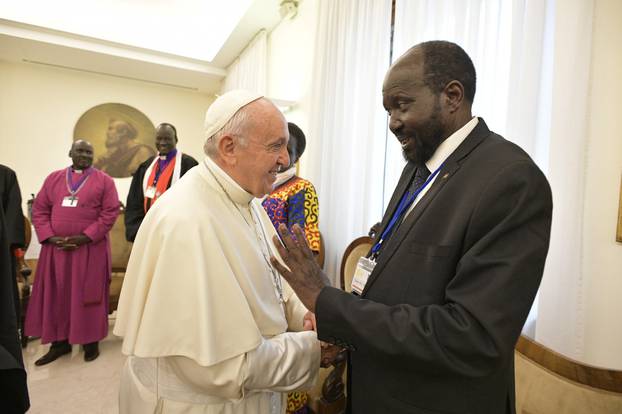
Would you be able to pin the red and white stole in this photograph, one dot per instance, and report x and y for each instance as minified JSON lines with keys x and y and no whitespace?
{"x":171,"y":174}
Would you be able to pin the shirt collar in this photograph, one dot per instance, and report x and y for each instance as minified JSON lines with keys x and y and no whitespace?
{"x":168,"y":156}
{"x":448,"y":146}
{"x":237,"y":193}
{"x":78,"y":171}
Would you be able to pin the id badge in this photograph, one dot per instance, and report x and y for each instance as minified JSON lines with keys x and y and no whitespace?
{"x":70,"y":202}
{"x":150,"y":192}
{"x":364,"y":267}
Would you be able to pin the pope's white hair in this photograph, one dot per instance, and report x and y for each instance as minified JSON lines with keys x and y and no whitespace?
{"x":236,"y":126}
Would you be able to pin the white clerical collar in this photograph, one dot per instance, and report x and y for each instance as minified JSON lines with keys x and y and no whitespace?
{"x":448,"y":146}
{"x":237,"y":193}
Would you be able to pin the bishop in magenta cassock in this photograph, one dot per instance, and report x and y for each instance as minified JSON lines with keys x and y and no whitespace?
{"x":73,"y":214}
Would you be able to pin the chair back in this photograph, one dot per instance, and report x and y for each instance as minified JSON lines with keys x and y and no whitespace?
{"x":355,"y":250}
{"x":547,"y":382}
{"x":120,"y":252}
{"x":27,"y":233}
{"x":120,"y":247}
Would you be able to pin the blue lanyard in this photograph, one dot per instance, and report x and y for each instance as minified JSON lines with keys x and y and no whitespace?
{"x":402,"y":207}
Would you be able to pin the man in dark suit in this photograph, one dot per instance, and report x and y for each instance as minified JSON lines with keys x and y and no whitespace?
{"x":154,"y":176}
{"x":13,"y":389}
{"x":11,"y":207}
{"x":457,"y":261}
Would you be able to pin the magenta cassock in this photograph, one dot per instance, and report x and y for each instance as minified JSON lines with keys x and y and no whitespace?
{"x":70,"y":292}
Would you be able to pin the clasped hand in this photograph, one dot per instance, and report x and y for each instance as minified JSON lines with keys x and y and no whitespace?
{"x":69,"y":243}
{"x":329,"y":354}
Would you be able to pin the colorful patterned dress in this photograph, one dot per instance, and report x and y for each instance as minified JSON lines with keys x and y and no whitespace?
{"x":295,"y":201}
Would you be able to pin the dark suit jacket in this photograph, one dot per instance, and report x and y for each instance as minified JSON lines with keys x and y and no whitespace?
{"x":435,"y":328}
{"x":13,"y":388}
{"x":135,"y":208}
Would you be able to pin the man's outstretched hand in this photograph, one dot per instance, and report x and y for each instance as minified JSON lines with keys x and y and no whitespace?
{"x":304,"y":274}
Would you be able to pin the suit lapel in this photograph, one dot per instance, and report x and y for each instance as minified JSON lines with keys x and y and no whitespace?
{"x":452,"y":165}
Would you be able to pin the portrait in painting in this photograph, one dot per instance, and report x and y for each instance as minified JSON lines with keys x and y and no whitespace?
{"x":122,"y":137}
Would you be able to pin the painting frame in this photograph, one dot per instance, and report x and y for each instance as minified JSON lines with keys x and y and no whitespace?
{"x":123,"y":137}
{"x":619,"y":232}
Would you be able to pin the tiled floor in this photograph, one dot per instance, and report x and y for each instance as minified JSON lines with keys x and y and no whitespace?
{"x":69,"y":385}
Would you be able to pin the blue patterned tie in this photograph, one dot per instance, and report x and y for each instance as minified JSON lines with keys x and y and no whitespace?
{"x":421,"y":175}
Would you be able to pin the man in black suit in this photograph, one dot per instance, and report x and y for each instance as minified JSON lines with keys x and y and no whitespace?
{"x":13,"y":389}
{"x":457,"y":261}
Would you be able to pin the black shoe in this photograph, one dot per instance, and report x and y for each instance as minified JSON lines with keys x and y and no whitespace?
{"x":91,"y":351}
{"x":57,"y":350}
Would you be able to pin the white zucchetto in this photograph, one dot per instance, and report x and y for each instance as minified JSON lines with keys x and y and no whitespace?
{"x":224,"y":107}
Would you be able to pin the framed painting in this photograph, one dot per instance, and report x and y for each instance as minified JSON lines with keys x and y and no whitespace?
{"x":619,"y":232}
{"x":122,"y":137}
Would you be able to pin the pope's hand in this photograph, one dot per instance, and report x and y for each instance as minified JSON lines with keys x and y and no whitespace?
{"x":308,"y":322}
{"x":304,"y":274}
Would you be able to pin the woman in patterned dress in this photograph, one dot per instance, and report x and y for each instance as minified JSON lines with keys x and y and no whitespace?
{"x":292,"y":201}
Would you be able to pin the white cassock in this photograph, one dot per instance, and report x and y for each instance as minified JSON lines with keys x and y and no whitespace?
{"x":200,"y":312}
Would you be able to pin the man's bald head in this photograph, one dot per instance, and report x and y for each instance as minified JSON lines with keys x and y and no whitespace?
{"x":81,"y":154}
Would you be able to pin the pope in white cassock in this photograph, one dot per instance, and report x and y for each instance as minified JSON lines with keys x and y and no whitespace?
{"x":208,"y":324}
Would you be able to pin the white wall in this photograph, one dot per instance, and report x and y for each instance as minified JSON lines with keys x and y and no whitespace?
{"x":291,"y":48}
{"x":602,"y":260}
{"x":40,"y":105}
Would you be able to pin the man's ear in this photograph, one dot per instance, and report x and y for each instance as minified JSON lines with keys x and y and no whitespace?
{"x":453,"y":95}
{"x":227,"y":146}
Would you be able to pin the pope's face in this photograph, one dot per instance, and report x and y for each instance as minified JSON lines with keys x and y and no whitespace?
{"x":263,"y":154}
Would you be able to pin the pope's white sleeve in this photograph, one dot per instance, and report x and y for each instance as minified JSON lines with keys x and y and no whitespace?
{"x":222,"y":380}
{"x":294,"y":312}
{"x":285,"y":362}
